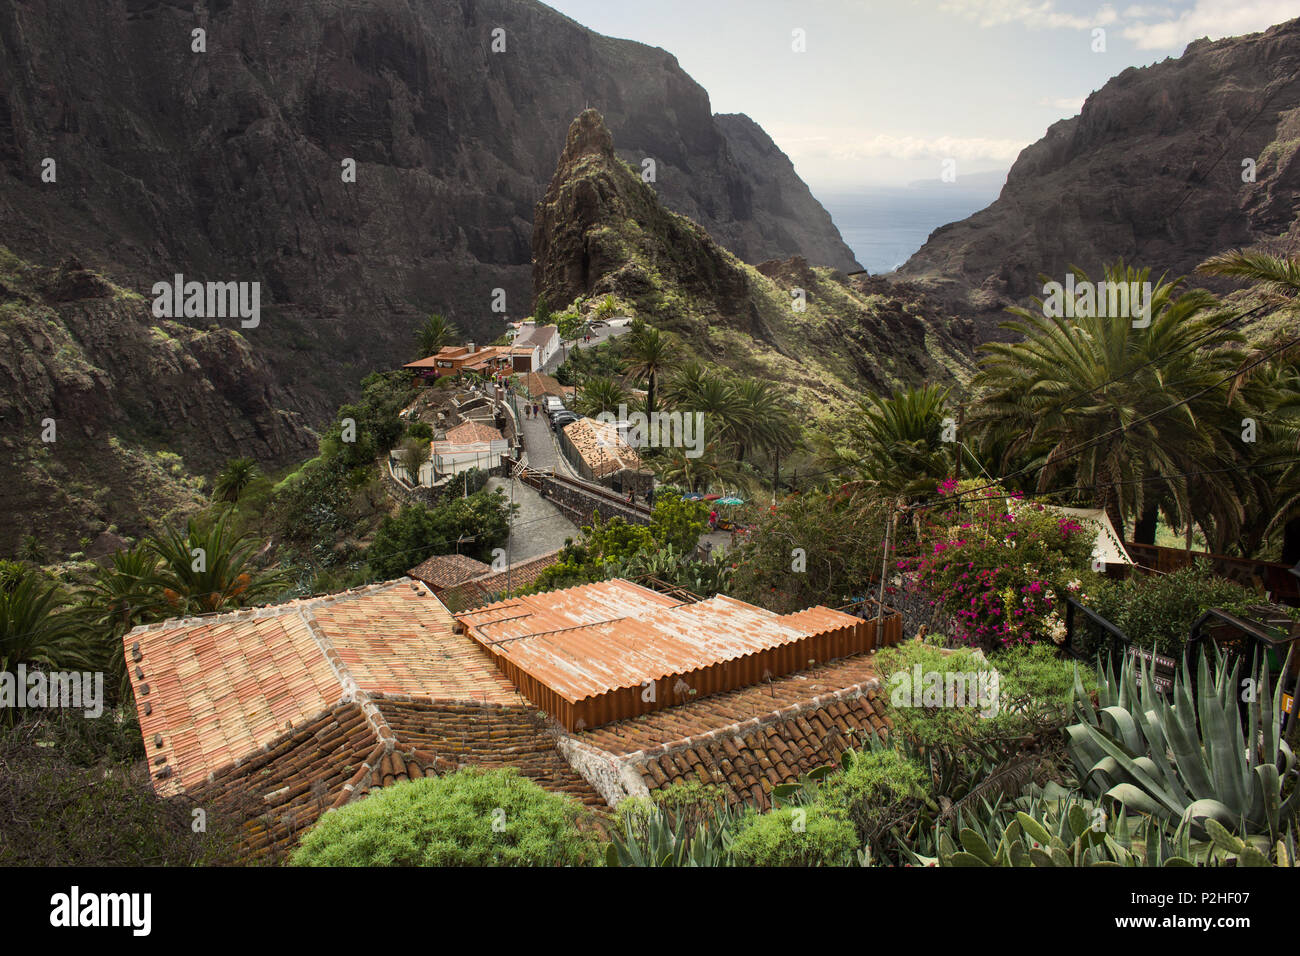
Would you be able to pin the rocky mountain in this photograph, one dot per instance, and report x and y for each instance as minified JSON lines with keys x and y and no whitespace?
{"x":109,"y":413}
{"x":1154,"y":169}
{"x":824,"y":337}
{"x":223,"y":154}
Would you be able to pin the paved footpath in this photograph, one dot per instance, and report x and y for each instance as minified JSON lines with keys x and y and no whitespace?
{"x":613,"y":329}
{"x":538,"y":527}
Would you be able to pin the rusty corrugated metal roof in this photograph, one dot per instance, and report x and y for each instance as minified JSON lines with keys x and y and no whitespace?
{"x":586,"y":641}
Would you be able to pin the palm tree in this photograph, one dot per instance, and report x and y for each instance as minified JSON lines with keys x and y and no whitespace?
{"x":209,"y":570}
{"x":37,"y":630}
{"x":436,"y":332}
{"x":238,"y":474}
{"x":1271,"y":475}
{"x":772,"y":427}
{"x":600,"y":394}
{"x":1115,"y":406}
{"x":122,"y":596}
{"x":647,"y":352}
{"x":696,"y":388}
{"x":896,"y":442}
{"x":714,"y":468}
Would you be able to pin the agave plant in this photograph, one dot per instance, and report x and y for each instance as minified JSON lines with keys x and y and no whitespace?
{"x":1069,"y":832}
{"x":652,"y":839}
{"x":1189,"y":760}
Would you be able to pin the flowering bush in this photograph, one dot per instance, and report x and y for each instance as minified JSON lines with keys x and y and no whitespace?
{"x":999,"y":571}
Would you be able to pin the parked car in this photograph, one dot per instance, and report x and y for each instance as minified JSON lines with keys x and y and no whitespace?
{"x":552,"y":405}
{"x":563,"y":418}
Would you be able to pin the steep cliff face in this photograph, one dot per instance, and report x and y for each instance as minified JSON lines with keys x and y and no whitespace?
{"x":788,"y":218}
{"x":110,"y":414}
{"x":1151,"y":170}
{"x":227,"y":164}
{"x":601,"y":230}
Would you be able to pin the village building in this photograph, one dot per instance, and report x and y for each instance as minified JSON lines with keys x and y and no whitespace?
{"x":465,"y":447}
{"x":597,"y":452}
{"x":455,"y":359}
{"x":273,"y":716}
{"x":534,"y":346}
{"x":444,"y":571}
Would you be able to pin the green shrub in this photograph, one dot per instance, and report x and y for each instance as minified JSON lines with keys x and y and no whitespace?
{"x":878,"y":789}
{"x":1158,"y":610}
{"x":473,"y":817}
{"x":815,"y":835}
{"x":421,"y":431}
{"x":478,"y":524}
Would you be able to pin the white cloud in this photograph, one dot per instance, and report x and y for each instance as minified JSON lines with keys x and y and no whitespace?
{"x":1210,"y":18}
{"x":1149,"y":26}
{"x":1034,"y":14}
{"x":892,"y":146}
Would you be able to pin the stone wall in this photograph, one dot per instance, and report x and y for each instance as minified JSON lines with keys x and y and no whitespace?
{"x":579,"y":504}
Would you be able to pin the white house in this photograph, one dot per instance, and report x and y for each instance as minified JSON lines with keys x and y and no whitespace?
{"x":467,"y":446}
{"x":533,"y":347}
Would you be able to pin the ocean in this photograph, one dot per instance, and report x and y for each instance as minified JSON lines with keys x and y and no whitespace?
{"x":885,"y":225}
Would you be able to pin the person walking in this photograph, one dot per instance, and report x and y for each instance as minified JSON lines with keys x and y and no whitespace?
{"x":713,"y":521}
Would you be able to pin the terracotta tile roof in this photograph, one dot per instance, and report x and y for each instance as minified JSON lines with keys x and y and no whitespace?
{"x":749,"y":761}
{"x":489,"y":736}
{"x":489,"y":587}
{"x":745,"y":741}
{"x":605,"y":651}
{"x":469,"y":433}
{"x":213,"y":689}
{"x":706,"y":715}
{"x":275,"y":793}
{"x":449,"y":570}
{"x":600,"y":446}
{"x":536,"y":385}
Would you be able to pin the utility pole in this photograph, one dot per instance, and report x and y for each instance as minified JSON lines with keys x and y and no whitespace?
{"x":961,"y":422}
{"x":884,"y":563}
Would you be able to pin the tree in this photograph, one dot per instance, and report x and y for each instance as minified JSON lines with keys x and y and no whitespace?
{"x":727,"y":416}
{"x":895,"y":443}
{"x":474,"y":526}
{"x":713,"y":468}
{"x":542,"y":314}
{"x":122,"y":595}
{"x":771,"y":427}
{"x":1271,"y":474}
{"x":600,"y":394}
{"x":37,"y":630}
{"x":648,"y":352}
{"x":209,"y":569}
{"x":414,"y":454}
{"x":677,"y":522}
{"x":1109,"y":406}
{"x":436,"y":332}
{"x":238,"y":474}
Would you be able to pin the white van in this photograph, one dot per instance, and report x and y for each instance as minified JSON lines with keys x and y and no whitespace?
{"x":551,"y":405}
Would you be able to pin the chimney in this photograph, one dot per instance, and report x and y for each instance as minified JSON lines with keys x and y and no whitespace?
{"x":469,"y":347}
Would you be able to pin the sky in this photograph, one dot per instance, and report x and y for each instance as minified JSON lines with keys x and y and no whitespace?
{"x":885,"y":91}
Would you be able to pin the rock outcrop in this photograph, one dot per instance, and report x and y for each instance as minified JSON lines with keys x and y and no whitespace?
{"x":109,"y":414}
{"x":229,"y":164}
{"x":1151,"y":170}
{"x":600,"y":230}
